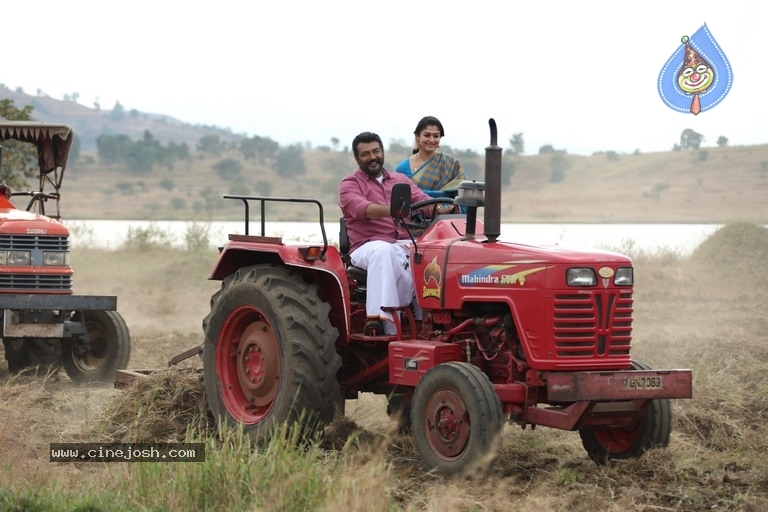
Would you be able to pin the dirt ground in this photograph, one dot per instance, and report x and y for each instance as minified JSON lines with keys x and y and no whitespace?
{"x":705,"y":312}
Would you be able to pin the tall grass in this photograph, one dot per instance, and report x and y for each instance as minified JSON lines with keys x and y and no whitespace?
{"x":285,"y":474}
{"x":288,"y":472}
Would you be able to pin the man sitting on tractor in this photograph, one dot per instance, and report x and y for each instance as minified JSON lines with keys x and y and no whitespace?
{"x":377,"y":243}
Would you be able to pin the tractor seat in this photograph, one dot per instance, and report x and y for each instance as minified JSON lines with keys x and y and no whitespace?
{"x":360,"y":275}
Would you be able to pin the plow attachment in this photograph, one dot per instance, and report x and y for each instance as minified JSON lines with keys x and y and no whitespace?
{"x":124,"y":378}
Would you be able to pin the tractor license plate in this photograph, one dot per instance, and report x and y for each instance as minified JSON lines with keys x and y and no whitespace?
{"x":621,"y":385}
{"x":651,"y":382}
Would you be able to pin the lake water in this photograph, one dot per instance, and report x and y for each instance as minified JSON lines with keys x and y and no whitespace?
{"x":678,"y":238}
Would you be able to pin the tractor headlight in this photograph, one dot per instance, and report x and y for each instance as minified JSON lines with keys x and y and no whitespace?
{"x":55,"y":258}
{"x":625,"y":276}
{"x":18,"y":258}
{"x":581,"y":276}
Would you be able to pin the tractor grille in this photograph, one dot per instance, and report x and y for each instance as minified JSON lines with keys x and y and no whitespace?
{"x":36,"y":244}
{"x":35,"y":282}
{"x":593,"y":325}
{"x":30,"y":242}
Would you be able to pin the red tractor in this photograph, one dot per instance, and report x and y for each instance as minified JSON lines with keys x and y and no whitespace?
{"x":510,"y":333}
{"x":44,"y":325}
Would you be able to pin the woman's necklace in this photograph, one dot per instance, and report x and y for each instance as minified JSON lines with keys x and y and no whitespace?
{"x":416,"y":163}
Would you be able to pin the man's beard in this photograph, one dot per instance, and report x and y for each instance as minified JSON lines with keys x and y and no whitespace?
{"x":373,"y":172}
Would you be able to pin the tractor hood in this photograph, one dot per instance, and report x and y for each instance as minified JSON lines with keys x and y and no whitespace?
{"x":479,"y":250}
{"x":501,"y":251}
{"x":22,"y":222}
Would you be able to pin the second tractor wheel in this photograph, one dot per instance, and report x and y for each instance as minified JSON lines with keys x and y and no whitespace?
{"x":105,"y":348}
{"x":456,"y":419}
{"x":34,"y":355}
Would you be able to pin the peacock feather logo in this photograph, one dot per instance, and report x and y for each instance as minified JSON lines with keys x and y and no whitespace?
{"x":432,"y":272}
{"x":433,"y":275}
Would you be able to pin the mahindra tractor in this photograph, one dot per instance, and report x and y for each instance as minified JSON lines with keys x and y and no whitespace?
{"x":508,"y":333}
{"x":44,"y":325}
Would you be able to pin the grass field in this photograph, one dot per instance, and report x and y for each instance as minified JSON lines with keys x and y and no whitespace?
{"x":704,"y":312}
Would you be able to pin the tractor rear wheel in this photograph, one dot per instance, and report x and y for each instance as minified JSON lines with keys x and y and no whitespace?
{"x":456,"y":419}
{"x":105,"y":349}
{"x":269,"y":355}
{"x":650,"y":430}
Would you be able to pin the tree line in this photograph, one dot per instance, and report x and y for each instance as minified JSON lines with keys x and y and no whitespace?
{"x":141,"y":156}
{"x":559,"y":162}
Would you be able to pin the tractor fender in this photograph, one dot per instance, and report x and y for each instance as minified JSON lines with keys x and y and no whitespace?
{"x":329,"y":272}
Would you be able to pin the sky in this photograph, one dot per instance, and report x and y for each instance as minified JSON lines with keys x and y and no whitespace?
{"x":579,"y":76}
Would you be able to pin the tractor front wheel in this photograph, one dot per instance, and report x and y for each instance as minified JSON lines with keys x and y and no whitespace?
{"x":105,"y":348}
{"x":650,"y":430}
{"x":269,"y":356}
{"x":456,"y":419}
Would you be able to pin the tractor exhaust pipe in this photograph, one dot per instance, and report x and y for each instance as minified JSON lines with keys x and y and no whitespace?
{"x":492,"y":213}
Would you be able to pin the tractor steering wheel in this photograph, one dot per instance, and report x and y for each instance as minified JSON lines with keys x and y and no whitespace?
{"x":421,"y":222}
{"x":431,"y":200}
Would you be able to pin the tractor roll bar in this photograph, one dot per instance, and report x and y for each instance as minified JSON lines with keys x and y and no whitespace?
{"x":263,"y":200}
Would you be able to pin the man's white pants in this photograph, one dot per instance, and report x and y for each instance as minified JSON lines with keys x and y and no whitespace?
{"x":389,"y":281}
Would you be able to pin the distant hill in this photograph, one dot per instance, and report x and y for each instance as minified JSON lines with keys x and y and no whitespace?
{"x":89,"y":123}
{"x":709,"y":185}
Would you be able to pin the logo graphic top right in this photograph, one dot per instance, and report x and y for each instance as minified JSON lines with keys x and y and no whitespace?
{"x":697,"y":76}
